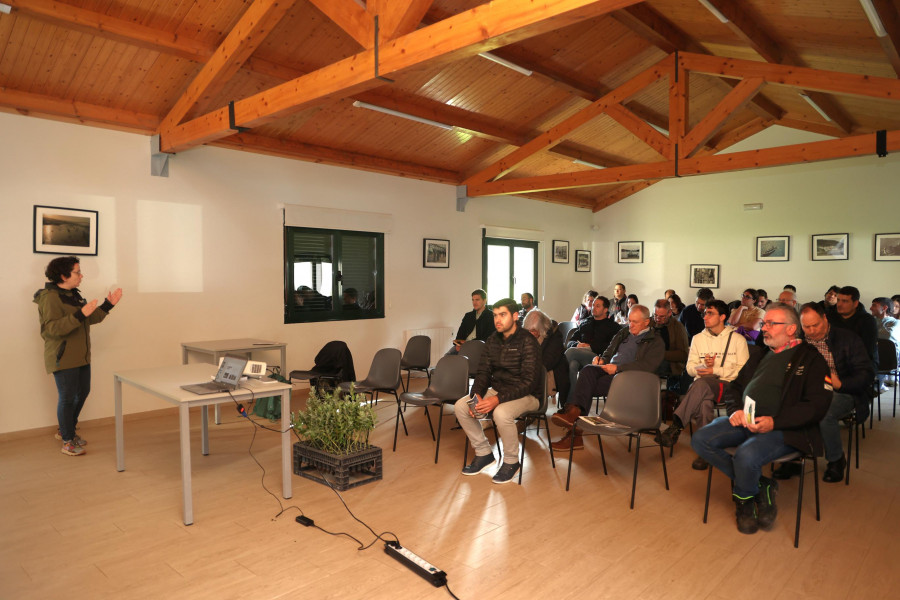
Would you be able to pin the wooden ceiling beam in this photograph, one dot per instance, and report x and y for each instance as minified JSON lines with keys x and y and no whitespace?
{"x":890,"y":43}
{"x":715,"y":119}
{"x":251,"y":29}
{"x":749,"y":30}
{"x":27,"y":103}
{"x":640,"y":129}
{"x":352,"y":18}
{"x":396,"y":17}
{"x":485,"y":27}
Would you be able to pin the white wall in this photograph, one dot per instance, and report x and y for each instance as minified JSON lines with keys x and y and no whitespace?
{"x":701,"y":220}
{"x":199,"y":254}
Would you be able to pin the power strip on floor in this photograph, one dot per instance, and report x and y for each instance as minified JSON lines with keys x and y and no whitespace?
{"x":416,"y":564}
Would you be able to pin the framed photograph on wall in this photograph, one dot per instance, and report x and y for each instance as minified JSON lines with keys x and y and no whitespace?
{"x":631,"y":252}
{"x":560,"y":251}
{"x":887,"y":246}
{"x":65,"y":230}
{"x":704,"y":276}
{"x":831,"y":246}
{"x":582,"y":261}
{"x":773,"y":248}
{"x":435,"y":254}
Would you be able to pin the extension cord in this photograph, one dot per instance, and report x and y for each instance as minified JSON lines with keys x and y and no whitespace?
{"x":416,"y":564}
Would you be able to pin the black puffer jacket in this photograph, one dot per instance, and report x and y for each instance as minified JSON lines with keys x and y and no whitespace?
{"x":512,"y":366}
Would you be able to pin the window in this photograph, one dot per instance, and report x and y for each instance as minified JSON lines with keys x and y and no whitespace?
{"x":510,"y":268}
{"x":332,"y":275}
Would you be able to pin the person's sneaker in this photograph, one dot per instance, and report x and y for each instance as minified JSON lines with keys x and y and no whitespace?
{"x":787,"y":470}
{"x":478,"y":464}
{"x":834,"y":472}
{"x":564,"y":443}
{"x":765,"y":503}
{"x":670,"y":436}
{"x":506,"y":473}
{"x":747,"y":521}
{"x":71,"y":448}
{"x":699,"y":464}
{"x":79,"y":441}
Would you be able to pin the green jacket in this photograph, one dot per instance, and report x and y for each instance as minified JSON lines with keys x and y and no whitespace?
{"x":65,"y":329}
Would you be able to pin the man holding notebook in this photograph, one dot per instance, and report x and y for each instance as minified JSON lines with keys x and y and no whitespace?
{"x":783,"y":403}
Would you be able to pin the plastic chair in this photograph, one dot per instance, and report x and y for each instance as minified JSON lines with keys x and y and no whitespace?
{"x":565,"y":330}
{"x":887,"y":365}
{"x":790,"y":457}
{"x":416,"y":357}
{"x":449,"y":383}
{"x":631,"y":409}
{"x":333,"y":364}
{"x":384,"y":376}
{"x":472,"y":350}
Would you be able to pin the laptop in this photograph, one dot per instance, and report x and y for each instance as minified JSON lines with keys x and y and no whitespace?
{"x":226,"y":380}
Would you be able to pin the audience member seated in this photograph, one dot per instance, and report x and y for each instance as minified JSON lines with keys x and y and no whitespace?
{"x":509,"y":383}
{"x":674,"y":337}
{"x":829,"y":303}
{"x":850,"y":314}
{"x":635,"y":348}
{"x":888,"y":328}
{"x":716,"y":357}
{"x":792,"y":395}
{"x":476,"y":325}
{"x":589,"y":341}
{"x":584,"y":309}
{"x":630,"y":301}
{"x":895,"y":300}
{"x":618,"y":304}
{"x":747,"y":318}
{"x":676,"y":305}
{"x":762,"y":299}
{"x":790,"y":287}
{"x":527,"y":305}
{"x":668,"y":294}
{"x":310,"y":299}
{"x":789,"y":298}
{"x":692,"y":316}
{"x":552,"y":352}
{"x":350,"y":299}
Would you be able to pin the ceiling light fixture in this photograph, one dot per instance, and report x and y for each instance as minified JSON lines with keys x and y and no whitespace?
{"x":506,"y":63}
{"x":5,"y":8}
{"x":397,"y":113}
{"x":874,"y":19}
{"x":715,"y":11}
{"x":665,"y":132}
{"x":578,"y":161}
{"x":816,"y":106}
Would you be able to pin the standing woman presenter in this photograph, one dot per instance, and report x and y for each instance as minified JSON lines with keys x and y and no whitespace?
{"x":66,"y":320}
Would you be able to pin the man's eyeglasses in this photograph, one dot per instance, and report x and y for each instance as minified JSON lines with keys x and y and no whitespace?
{"x":771,"y":324}
{"x":747,"y":296}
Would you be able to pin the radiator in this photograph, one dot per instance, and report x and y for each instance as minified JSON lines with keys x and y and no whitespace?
{"x":441,"y":338}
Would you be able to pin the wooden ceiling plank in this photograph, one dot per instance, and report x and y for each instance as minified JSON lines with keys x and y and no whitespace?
{"x":485,"y":27}
{"x":119,"y":29}
{"x":251,"y":29}
{"x":556,"y":134}
{"x":397,"y":17}
{"x":749,"y":30}
{"x":640,"y":129}
{"x":890,"y":43}
{"x":715,"y":119}
{"x":351,"y":18}
{"x":26,"y":102}
{"x":740,"y":133}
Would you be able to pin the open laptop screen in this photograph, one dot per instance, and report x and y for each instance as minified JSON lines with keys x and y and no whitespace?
{"x":230,"y":370}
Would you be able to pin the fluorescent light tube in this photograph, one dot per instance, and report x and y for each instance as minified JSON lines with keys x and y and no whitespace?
{"x":874,"y":19}
{"x":397,"y":113}
{"x":5,"y":8}
{"x":816,"y":106}
{"x":715,"y":11}
{"x":506,"y":63}
{"x":578,"y":161}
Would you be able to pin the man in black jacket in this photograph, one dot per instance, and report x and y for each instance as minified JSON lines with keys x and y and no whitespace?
{"x":590,"y":340}
{"x":509,"y":382}
{"x":850,"y":314}
{"x":792,"y":394}
{"x":476,"y":325}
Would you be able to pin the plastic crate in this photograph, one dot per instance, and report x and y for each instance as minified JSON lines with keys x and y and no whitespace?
{"x":346,"y":470}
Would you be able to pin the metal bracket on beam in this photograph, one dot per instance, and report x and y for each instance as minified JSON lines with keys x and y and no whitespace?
{"x":461,"y":198}
{"x":159,"y":161}
{"x":881,"y":143}
{"x":231,"y":124}
{"x":377,"y":76}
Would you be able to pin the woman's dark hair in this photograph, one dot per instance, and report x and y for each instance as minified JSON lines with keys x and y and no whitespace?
{"x":61,"y":267}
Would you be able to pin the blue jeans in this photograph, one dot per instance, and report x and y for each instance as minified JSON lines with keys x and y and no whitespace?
{"x":754,"y":451}
{"x":830,"y":425}
{"x":73,"y":386}
{"x":578,"y":358}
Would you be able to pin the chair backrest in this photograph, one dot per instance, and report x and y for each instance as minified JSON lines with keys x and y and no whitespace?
{"x":417,"y":353}
{"x":472,"y":350}
{"x":565,"y":330}
{"x":335,"y":357}
{"x":450,"y":379}
{"x":887,"y":356}
{"x":633,"y":400}
{"x":385,"y":370}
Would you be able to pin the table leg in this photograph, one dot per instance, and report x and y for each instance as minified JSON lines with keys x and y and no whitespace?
{"x":120,"y":428}
{"x":204,"y":429}
{"x":216,"y":409}
{"x":286,"y":459}
{"x":184,"y":426}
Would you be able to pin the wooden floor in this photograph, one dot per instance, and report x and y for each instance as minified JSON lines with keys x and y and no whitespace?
{"x":74,"y":527}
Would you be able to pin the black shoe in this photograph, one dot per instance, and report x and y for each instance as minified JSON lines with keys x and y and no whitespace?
{"x":834,"y":472}
{"x":747,"y":521}
{"x":765,"y":503}
{"x":670,"y":436}
{"x":787,"y":470}
{"x":699,"y":464}
{"x":506,"y":473}
{"x":479,"y":464}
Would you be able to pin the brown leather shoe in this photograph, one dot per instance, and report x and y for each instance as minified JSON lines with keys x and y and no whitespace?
{"x":566,"y":419}
{"x":564,"y":443}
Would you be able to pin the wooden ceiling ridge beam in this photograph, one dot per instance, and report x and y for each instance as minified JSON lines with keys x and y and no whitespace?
{"x":97,"y":23}
{"x":27,"y":102}
{"x":396,"y":17}
{"x":715,"y":119}
{"x":352,"y":18}
{"x":558,"y":133}
{"x":484,"y":27}
{"x":248,"y":33}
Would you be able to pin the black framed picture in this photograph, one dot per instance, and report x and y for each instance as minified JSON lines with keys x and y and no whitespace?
{"x":582,"y":261}
{"x":831,"y":246}
{"x":435,"y":253}
{"x":630,"y":252}
{"x":561,"y":251}
{"x":887,"y":246}
{"x":60,"y":230}
{"x":704,"y":276}
{"x":773,"y":248}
